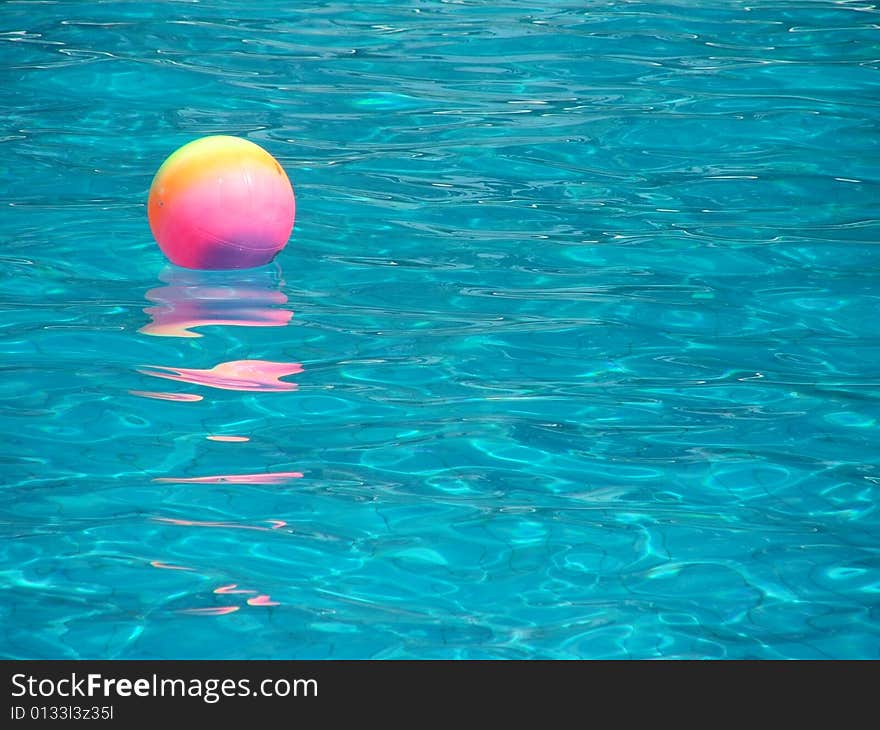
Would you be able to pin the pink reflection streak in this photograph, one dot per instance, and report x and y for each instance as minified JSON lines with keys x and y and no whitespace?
{"x":245,"y":375}
{"x":262,"y":601}
{"x":228,"y":439}
{"x":211,"y":611}
{"x":232,"y":588}
{"x":278,"y":477}
{"x":276,"y":524}
{"x":168,"y":566}
{"x":182,"y":397}
{"x":182,"y":308}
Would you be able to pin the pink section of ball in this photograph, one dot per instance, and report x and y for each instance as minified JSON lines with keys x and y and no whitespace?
{"x":233,"y":221}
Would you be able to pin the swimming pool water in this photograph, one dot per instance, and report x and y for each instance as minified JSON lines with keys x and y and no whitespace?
{"x":581,"y":309}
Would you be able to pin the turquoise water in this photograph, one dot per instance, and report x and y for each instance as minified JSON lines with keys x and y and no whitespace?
{"x":581,"y":309}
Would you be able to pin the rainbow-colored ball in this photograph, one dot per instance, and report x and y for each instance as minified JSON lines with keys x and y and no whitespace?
{"x":221,"y":203}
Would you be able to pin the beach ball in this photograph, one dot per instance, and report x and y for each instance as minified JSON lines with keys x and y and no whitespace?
{"x":221,"y":203}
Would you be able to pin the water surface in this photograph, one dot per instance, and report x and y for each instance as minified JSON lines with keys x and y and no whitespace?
{"x":573,"y":353}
